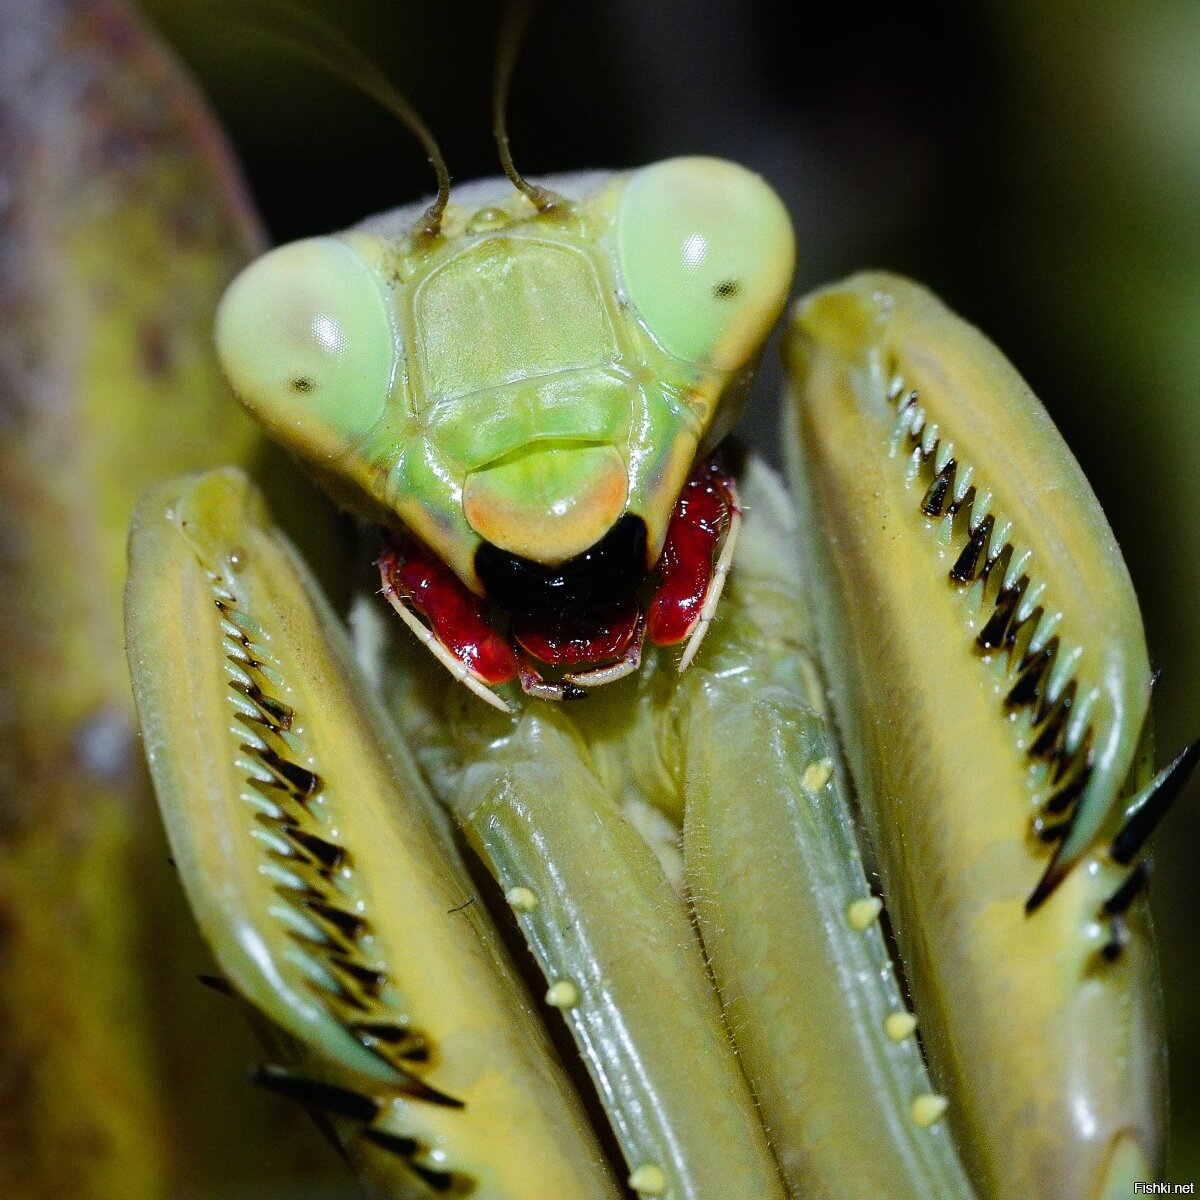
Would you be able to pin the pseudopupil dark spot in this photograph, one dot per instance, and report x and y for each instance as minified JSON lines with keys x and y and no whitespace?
{"x":727,"y":289}
{"x":302,"y":385}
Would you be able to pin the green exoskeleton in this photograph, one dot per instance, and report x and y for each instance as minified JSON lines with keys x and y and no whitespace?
{"x":420,"y":885}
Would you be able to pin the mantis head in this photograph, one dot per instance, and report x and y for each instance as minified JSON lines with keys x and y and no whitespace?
{"x":529,"y":385}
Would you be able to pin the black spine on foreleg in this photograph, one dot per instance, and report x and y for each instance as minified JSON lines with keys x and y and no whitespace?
{"x":1134,"y":834}
{"x":328,"y":1097}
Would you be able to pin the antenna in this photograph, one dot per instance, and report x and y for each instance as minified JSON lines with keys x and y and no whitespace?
{"x":508,"y":48}
{"x":310,"y":37}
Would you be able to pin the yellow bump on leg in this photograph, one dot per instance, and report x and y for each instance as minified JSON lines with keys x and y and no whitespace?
{"x":521,"y":899}
{"x":648,"y":1180}
{"x":862,"y":914}
{"x":927,"y":1109}
{"x":563,"y":994}
{"x":816,"y":774}
{"x":899,"y":1025}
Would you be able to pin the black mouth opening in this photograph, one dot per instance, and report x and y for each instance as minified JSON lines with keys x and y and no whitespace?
{"x":606,"y":572}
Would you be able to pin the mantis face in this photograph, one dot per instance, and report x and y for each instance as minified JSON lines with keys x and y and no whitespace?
{"x":524,"y":385}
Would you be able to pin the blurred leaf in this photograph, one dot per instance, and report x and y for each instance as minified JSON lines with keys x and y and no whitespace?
{"x":121,"y":219}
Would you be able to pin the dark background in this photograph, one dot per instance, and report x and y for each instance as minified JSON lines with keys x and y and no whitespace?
{"x":1036,"y":162}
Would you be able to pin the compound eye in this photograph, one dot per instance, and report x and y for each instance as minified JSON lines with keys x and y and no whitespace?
{"x":706,"y":251}
{"x":304,"y":339}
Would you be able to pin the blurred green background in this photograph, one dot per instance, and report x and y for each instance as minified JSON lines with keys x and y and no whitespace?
{"x":1037,"y":162}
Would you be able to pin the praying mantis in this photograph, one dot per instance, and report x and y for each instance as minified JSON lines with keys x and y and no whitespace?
{"x":675,"y":858}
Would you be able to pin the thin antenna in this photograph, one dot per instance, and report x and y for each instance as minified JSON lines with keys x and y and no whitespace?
{"x":508,"y":49}
{"x":311,"y":38}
